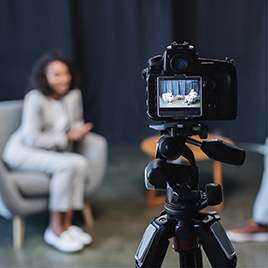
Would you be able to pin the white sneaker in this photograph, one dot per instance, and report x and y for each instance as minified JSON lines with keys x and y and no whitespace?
{"x":240,"y":238}
{"x":78,"y":234}
{"x":64,"y":242}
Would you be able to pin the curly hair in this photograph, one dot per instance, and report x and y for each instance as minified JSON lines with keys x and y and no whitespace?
{"x":38,"y":80}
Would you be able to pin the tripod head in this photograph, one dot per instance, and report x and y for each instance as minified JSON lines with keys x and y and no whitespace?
{"x":181,"y":181}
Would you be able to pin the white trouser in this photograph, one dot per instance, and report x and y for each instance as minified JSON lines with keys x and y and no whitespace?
{"x":67,"y":169}
{"x":68,"y":173}
{"x":260,"y":209}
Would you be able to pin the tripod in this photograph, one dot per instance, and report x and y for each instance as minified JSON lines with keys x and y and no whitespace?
{"x":182,"y":218}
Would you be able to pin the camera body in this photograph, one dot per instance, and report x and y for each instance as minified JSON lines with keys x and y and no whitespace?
{"x":182,"y":86}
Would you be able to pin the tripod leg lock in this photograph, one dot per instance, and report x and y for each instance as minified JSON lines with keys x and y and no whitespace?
{"x":214,"y":240}
{"x":154,"y":243}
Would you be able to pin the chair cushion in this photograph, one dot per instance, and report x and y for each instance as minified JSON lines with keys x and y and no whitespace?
{"x":31,"y":184}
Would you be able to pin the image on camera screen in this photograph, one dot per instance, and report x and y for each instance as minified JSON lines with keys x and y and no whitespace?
{"x":179,"y":96}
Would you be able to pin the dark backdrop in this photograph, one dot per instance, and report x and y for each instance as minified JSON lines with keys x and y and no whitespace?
{"x":237,"y":29}
{"x":111,"y":41}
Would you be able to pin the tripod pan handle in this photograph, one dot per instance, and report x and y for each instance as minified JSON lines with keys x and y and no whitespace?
{"x":224,"y":152}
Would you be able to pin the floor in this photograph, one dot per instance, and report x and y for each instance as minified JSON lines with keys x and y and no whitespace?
{"x":121,"y":216}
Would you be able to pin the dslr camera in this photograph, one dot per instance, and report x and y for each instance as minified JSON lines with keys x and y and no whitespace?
{"x":182,"y":86}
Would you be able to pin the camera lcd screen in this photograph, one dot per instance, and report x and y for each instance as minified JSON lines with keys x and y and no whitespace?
{"x":179,"y":97}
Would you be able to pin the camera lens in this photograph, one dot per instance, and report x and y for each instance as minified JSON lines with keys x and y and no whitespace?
{"x":179,"y":63}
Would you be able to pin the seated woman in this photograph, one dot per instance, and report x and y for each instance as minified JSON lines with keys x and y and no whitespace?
{"x":168,"y":97}
{"x":190,"y":97}
{"x":52,"y":121}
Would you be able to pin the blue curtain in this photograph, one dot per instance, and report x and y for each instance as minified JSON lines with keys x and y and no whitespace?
{"x":111,"y":41}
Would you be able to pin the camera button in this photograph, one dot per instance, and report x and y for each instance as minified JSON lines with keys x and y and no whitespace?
{"x":212,"y":106}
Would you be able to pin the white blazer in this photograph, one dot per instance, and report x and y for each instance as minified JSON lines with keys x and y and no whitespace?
{"x":36,"y":130}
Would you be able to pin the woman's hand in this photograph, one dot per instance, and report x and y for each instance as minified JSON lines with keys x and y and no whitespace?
{"x":79,"y":134}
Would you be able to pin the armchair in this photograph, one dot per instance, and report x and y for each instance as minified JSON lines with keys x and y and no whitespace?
{"x":24,"y":193}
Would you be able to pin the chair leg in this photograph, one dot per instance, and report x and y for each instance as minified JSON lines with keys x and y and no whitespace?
{"x":217,"y":171}
{"x":88,"y":216}
{"x":18,"y":231}
{"x":153,"y":200}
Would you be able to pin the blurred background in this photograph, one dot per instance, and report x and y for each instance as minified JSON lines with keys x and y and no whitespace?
{"x":111,"y":42}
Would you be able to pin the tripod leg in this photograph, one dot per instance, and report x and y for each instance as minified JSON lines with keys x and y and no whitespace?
{"x":214,"y":240}
{"x":198,"y":257}
{"x":154,"y":244}
{"x":191,"y":259}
